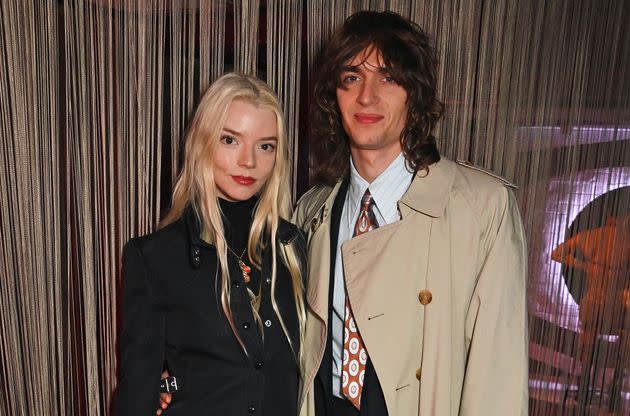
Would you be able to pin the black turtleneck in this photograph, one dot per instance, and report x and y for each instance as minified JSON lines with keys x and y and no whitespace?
{"x":237,"y":221}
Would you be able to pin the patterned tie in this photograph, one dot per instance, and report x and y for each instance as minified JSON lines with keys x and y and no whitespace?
{"x":354,"y":354}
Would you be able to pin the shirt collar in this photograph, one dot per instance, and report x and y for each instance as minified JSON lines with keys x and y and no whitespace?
{"x":387,"y":189}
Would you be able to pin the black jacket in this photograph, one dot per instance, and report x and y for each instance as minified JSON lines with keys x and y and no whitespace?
{"x":172,"y":317}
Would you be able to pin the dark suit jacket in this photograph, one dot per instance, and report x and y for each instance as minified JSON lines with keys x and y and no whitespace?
{"x":172,"y":316}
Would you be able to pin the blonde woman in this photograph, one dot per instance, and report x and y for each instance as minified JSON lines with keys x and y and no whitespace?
{"x":215,"y":296}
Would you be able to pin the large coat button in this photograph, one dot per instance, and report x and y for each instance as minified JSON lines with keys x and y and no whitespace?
{"x":425,"y":296}
{"x":419,"y":374}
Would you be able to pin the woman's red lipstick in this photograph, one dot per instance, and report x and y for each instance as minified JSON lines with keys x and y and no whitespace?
{"x":243,"y":180}
{"x":364,"y":118}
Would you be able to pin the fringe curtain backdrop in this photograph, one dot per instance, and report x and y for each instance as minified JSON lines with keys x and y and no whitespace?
{"x":95,"y":97}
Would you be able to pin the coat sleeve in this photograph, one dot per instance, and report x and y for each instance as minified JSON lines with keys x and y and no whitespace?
{"x":141,"y":342}
{"x":496,"y":377}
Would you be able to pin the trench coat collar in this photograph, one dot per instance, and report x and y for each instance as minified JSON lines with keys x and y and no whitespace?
{"x":429,"y":192}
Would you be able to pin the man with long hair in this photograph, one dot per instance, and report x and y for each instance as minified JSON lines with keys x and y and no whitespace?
{"x":417,"y":264}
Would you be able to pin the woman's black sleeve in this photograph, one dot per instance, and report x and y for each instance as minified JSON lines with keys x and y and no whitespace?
{"x":141,"y":340}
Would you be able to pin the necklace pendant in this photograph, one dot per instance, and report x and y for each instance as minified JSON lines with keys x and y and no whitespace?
{"x":246,"y":270}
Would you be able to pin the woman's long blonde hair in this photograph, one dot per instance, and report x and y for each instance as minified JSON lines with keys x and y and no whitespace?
{"x":196,"y":187}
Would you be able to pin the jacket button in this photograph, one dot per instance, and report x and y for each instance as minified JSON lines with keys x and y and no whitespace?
{"x":196,"y":256}
{"x":251,"y":409}
{"x":419,"y":373}
{"x":245,"y":325}
{"x":258,"y":365}
{"x":425,"y":296}
{"x":236,"y":283}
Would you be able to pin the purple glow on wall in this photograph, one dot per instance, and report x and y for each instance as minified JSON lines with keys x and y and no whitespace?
{"x":544,"y":137}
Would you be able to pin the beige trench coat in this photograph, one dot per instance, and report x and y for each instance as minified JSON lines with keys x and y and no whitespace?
{"x":439,"y":296}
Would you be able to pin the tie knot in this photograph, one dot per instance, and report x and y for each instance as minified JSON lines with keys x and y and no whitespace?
{"x":366,"y":201}
{"x":366,"y":220}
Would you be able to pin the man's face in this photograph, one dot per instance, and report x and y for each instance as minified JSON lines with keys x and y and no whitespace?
{"x":373,"y":105}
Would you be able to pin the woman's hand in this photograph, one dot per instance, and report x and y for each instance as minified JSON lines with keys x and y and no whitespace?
{"x":165,"y":398}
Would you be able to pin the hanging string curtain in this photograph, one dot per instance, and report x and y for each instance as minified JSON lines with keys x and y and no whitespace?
{"x":246,"y":21}
{"x":94,"y":104}
{"x":31,"y":246}
{"x":284,"y":62}
{"x":95,"y":96}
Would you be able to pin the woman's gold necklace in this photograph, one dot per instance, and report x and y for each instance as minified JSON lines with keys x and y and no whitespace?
{"x":245,"y":269}
{"x":255,"y":300}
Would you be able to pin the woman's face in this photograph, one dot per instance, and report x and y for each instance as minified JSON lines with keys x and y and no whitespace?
{"x":246,"y":153}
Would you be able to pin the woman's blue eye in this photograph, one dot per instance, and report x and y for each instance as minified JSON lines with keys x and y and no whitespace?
{"x":268,"y":147}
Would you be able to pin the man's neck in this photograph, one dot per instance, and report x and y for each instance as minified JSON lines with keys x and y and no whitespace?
{"x":371,"y":163}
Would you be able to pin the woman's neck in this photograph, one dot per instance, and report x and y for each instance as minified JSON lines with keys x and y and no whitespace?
{"x":237,"y":221}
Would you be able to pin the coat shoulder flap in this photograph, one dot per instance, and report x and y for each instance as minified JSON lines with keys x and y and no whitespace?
{"x":488,"y":172}
{"x":309,"y":205}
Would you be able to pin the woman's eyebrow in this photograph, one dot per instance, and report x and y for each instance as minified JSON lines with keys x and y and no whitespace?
{"x":231,"y":131}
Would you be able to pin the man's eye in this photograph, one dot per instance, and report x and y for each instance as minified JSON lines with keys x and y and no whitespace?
{"x":228,"y":140}
{"x":347,"y":79}
{"x":390,"y":79}
{"x":268,"y":147}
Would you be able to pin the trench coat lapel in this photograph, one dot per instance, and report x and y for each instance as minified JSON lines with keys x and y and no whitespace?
{"x":317,"y":290}
{"x":319,"y":257}
{"x":319,"y":269}
{"x":429,"y":192}
{"x":382,"y":287}
{"x":395,"y":245}
{"x":385,"y":269}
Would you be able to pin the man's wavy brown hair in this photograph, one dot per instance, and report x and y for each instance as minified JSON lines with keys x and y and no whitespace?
{"x":406,"y":53}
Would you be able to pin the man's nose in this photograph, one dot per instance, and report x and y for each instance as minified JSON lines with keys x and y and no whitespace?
{"x":368,"y":94}
{"x":247,"y":157}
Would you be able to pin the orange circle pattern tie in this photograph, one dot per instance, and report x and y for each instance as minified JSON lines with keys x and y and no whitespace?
{"x":354,"y":353}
